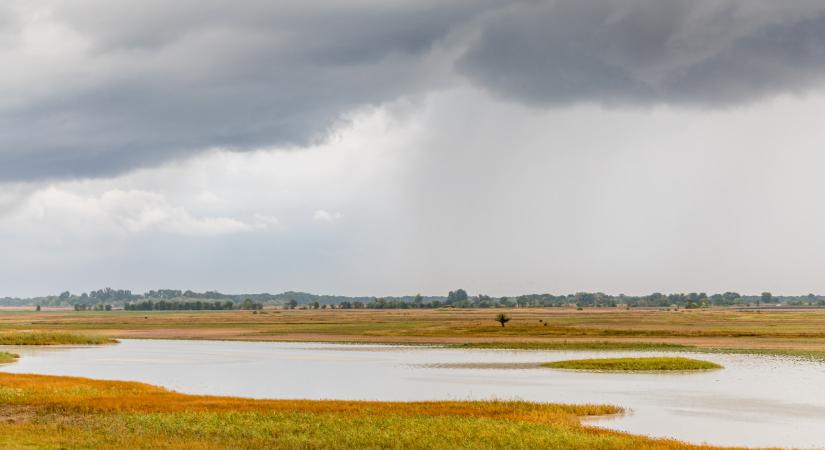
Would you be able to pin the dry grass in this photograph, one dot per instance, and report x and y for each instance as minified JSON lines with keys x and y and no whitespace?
{"x":6,"y":357}
{"x":51,"y":338}
{"x":64,"y":412}
{"x":715,"y":328}
{"x":655,"y":364}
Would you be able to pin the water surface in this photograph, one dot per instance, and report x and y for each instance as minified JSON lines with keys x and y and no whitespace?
{"x":754,"y":401}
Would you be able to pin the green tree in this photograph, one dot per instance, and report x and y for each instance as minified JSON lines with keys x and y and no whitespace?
{"x":502,"y":319}
{"x":249,"y":305}
{"x":457,"y":296}
{"x":766,"y":297}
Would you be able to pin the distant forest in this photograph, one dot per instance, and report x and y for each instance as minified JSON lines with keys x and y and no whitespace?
{"x":171,"y":299}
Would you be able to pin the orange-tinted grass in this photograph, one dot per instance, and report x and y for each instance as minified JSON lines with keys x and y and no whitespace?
{"x":87,"y":395}
{"x":150,"y":409}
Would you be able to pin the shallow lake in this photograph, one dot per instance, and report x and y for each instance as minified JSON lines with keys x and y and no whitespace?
{"x":753,"y":401}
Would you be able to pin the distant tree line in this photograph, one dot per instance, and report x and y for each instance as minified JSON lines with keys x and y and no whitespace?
{"x":173,"y":300}
{"x":460,"y":299}
{"x":164,"y":305}
{"x":97,"y":307}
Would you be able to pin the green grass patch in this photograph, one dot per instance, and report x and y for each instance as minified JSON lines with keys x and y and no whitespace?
{"x":566,"y":345}
{"x":51,"y":338}
{"x":654,"y":364}
{"x":6,"y":357}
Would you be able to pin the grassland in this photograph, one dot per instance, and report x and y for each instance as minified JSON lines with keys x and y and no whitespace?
{"x":57,"y":412}
{"x":6,"y":357}
{"x":652,"y":364}
{"x":62,"y":412}
{"x":51,"y":338}
{"x":782,"y":332}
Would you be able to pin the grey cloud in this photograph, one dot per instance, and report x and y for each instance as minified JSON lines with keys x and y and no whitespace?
{"x":160,"y":80}
{"x":9,"y":27}
{"x":149,"y":81}
{"x":700,"y":53}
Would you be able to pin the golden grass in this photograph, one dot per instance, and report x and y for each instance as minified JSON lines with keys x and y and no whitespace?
{"x":726,"y":329}
{"x":65,"y":412}
{"x":652,"y":364}
{"x":6,"y":357}
{"x":51,"y":338}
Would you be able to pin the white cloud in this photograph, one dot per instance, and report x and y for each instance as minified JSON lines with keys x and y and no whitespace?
{"x":59,"y":212}
{"x":208,"y":198}
{"x":264,"y":220}
{"x":321,"y":215}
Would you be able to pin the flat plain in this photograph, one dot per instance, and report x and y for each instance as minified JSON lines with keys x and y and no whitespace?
{"x":63,"y":412}
{"x":769,"y":330}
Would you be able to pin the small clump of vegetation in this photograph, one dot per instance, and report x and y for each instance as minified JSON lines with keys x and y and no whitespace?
{"x":502,"y":319}
{"x":6,"y":357}
{"x":652,"y":364}
{"x":51,"y":338}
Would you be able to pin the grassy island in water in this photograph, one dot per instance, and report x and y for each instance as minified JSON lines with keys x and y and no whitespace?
{"x":652,"y":364}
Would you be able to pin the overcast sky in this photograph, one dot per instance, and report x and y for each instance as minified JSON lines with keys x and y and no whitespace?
{"x":387,"y":148}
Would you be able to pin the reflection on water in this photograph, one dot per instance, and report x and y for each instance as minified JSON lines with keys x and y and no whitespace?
{"x":754,"y":401}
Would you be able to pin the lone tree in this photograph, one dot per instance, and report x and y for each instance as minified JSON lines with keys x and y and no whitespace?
{"x":502,"y":318}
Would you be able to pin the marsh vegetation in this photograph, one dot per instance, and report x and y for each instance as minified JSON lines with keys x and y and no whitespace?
{"x":108,"y":414}
{"x":647,"y":364}
{"x":414,"y":373}
{"x":51,"y":338}
{"x":786,"y":333}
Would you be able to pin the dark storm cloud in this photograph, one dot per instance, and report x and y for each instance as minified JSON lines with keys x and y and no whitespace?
{"x":641,"y":51}
{"x":149,"y":81}
{"x":158,"y":79}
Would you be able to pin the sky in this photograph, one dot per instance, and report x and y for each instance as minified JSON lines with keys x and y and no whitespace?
{"x":357,"y":147}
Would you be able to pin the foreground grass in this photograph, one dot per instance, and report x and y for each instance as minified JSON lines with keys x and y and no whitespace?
{"x":63,"y":412}
{"x":51,"y":338}
{"x":6,"y":357}
{"x":658,"y":364}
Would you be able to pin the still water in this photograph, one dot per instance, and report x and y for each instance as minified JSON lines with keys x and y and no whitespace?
{"x":754,"y":401}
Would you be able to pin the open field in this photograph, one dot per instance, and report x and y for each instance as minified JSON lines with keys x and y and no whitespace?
{"x":63,"y":412}
{"x":784,"y":331}
{"x":655,"y":364}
